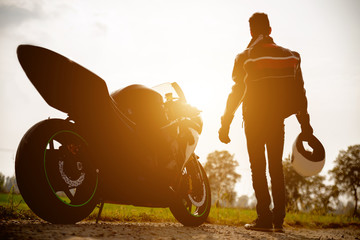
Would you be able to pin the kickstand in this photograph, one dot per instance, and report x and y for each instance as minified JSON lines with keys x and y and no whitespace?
{"x":100,"y":210}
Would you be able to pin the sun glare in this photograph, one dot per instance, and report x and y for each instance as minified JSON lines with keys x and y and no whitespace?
{"x":198,"y":99}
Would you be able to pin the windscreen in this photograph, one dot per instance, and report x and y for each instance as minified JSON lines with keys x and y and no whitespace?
{"x":167,"y":90}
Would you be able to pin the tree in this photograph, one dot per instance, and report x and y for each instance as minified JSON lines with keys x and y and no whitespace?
{"x":346,"y":173}
{"x":10,"y":183}
{"x":307,"y":193}
{"x":220,"y":168}
{"x":243,"y":201}
{"x":2,"y":182}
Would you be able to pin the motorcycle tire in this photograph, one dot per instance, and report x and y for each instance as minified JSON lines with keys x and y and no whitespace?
{"x":54,"y":172}
{"x":192,"y":206}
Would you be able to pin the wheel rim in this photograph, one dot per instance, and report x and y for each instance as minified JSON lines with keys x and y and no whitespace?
{"x":67,"y":169}
{"x":193,"y":190}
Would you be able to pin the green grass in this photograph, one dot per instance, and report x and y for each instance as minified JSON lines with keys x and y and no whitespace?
{"x":128,"y":213}
{"x":319,"y":220}
{"x":231,"y":216}
{"x":239,"y":217}
{"x":12,"y":206}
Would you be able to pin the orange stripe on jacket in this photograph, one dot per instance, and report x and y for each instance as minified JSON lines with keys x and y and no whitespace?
{"x":272,"y":63}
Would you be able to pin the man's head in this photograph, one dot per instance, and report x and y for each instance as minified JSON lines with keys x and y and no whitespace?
{"x":259,"y":24}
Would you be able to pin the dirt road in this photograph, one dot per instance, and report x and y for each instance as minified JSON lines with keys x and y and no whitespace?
{"x":171,"y":231}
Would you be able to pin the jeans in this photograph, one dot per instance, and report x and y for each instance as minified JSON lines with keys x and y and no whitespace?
{"x":269,"y":133}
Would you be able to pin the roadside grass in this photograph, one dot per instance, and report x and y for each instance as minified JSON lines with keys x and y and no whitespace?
{"x":128,"y":213}
{"x":319,"y":220}
{"x":231,"y":216}
{"x":12,"y":206}
{"x":239,"y":217}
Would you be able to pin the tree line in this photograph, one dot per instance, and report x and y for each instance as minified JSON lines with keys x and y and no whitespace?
{"x":309,"y":194}
{"x":8,"y":183}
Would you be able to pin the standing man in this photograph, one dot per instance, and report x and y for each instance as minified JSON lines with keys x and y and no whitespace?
{"x":269,"y":83}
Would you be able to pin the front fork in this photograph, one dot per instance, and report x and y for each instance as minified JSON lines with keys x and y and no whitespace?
{"x":193,"y":159}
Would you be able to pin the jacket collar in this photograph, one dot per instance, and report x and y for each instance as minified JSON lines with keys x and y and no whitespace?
{"x":260,"y":39}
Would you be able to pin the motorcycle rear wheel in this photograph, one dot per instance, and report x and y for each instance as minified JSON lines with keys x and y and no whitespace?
{"x":194,"y":196}
{"x":54,"y":172}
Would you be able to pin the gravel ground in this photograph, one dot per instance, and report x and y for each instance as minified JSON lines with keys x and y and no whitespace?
{"x":120,"y":230}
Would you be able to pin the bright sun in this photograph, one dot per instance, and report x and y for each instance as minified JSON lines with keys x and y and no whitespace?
{"x":196,"y":98}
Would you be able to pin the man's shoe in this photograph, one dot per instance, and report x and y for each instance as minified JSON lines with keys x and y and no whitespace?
{"x":278,"y":228}
{"x":259,"y":225}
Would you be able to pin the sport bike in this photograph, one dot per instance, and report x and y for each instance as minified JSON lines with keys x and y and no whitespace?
{"x":134,"y":146}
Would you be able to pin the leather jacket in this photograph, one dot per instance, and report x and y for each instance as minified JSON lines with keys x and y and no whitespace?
{"x":268,"y":81}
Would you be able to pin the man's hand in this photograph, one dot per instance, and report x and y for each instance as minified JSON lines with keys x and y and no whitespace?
{"x":304,"y":120}
{"x":306,"y":129}
{"x":225,"y":126}
{"x":224,"y":135}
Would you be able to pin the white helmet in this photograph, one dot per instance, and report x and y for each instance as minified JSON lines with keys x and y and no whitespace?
{"x":304,"y":162}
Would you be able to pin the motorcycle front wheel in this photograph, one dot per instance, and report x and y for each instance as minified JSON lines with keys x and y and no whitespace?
{"x":54,"y":172}
{"x":193,"y":203}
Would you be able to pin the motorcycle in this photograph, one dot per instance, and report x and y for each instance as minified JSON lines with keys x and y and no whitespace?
{"x":134,"y":146}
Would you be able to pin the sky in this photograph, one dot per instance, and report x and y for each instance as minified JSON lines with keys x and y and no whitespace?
{"x":193,"y":43}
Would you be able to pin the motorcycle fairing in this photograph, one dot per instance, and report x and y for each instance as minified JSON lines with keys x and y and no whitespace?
{"x":64,"y":84}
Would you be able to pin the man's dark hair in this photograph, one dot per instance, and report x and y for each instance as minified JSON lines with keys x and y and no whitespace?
{"x":259,"y":24}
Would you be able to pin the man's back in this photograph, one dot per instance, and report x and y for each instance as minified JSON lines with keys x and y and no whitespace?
{"x":273,"y":80}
